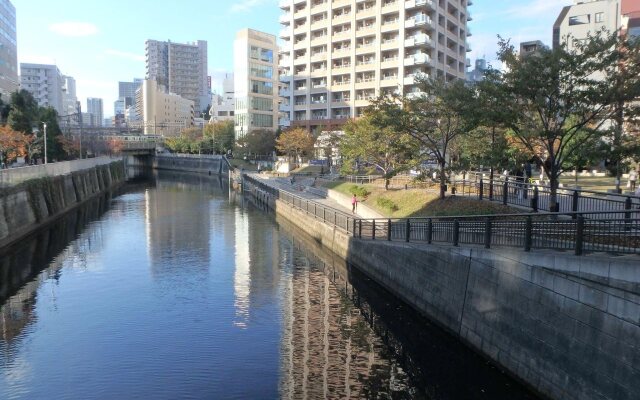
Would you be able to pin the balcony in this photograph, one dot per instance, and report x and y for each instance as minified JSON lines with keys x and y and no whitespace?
{"x":285,"y":33}
{"x":285,"y":4}
{"x":285,"y":19}
{"x":411,"y":4}
{"x":417,"y":40}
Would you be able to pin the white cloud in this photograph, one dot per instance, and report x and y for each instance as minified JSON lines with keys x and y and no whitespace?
{"x":124,"y":54}
{"x":246,"y":5}
{"x":74,"y":29}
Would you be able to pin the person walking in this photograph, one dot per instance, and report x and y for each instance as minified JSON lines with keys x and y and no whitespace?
{"x":633,"y":178}
{"x":354,"y":204}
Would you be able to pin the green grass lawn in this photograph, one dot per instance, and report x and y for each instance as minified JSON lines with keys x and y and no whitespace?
{"x":400,"y":203}
{"x":598,"y":184}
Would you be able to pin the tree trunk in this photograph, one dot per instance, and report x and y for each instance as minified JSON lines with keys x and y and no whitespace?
{"x":443,"y":180}
{"x":386,"y":183}
{"x":554,"y":182}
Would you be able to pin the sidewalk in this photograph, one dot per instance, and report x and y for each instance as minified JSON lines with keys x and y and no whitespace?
{"x":303,"y":187}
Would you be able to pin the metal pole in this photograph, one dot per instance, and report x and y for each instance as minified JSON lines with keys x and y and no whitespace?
{"x":45,"y":142}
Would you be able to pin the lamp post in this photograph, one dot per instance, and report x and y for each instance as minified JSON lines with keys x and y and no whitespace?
{"x":44,"y":126}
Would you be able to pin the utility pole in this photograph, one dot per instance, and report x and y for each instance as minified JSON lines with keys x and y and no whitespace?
{"x":80,"y":122}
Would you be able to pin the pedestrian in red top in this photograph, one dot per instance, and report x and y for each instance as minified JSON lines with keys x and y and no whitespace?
{"x":354,"y":204}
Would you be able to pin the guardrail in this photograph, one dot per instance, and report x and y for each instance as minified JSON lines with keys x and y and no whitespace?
{"x":578,"y":232}
{"x":14,"y":176}
{"x":537,"y":197}
{"x":581,"y":232}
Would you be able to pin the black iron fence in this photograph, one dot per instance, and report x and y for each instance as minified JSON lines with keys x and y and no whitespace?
{"x":581,"y":232}
{"x":578,"y":232}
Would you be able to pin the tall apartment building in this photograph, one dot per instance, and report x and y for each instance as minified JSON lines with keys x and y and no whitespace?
{"x":223,"y":103}
{"x":45,"y":83}
{"x":181,"y":68}
{"x":95,"y":108}
{"x":164,"y":113}
{"x":340,"y":54}
{"x":255,"y":81}
{"x":8,"y":50}
{"x":589,"y":16}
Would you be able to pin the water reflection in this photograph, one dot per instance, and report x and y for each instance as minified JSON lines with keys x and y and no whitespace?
{"x":185,"y":290}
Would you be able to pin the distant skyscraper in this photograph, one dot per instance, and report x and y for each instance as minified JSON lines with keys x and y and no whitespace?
{"x":255,"y":81}
{"x":69,"y":96}
{"x":8,"y":50}
{"x":478,"y":72}
{"x":45,"y":83}
{"x":181,"y":69}
{"x":96,"y":110}
{"x":127,"y":91}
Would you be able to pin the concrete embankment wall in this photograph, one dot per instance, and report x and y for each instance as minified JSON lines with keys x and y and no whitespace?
{"x":212,"y":165}
{"x":567,"y":326}
{"x":26,"y":207}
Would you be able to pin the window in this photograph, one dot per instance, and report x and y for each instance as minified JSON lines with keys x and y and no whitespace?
{"x":599,"y":17}
{"x":260,"y":71}
{"x":262,"y":87}
{"x":261,"y":104}
{"x":262,"y":121}
{"x":580,"y":19}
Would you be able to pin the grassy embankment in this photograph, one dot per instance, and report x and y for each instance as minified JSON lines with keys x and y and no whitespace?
{"x":401,"y":203}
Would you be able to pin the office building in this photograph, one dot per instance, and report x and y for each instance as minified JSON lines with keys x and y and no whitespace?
{"x":223,"y":103}
{"x":339,"y":55}
{"x":69,"y":96}
{"x":477,"y":74}
{"x":127,"y":91}
{"x":181,"y":69}
{"x":531,"y":47}
{"x":255,"y":82}
{"x":96,"y":110}
{"x":8,"y":50}
{"x":164,"y":113}
{"x":45,"y":83}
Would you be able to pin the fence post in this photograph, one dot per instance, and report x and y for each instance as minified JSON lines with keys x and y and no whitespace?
{"x":407,"y":234}
{"x":360,"y":228}
{"x":505,"y":191}
{"x":324,"y":214}
{"x":534,"y":200}
{"x":627,"y":206}
{"x":429,"y":231}
{"x":481,"y":191}
{"x":528,"y":234}
{"x":389,"y":230}
{"x":576,"y":201}
{"x":579,"y":235}
{"x":354,"y":227}
{"x":487,"y":233}
{"x":456,"y":232}
{"x":373,"y":229}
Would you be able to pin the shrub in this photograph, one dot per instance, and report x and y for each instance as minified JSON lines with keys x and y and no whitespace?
{"x":386,"y":204}
{"x":359,"y":191}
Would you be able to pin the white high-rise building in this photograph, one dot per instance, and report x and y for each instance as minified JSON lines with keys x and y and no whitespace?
{"x":95,"y":108}
{"x":223,"y":103}
{"x":255,"y":82}
{"x":340,"y":54}
{"x":164,"y":113}
{"x":181,"y":68}
{"x":8,"y":50}
{"x":45,"y":83}
{"x":69,"y":96}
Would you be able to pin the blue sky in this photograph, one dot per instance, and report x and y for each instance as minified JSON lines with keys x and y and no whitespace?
{"x":102,"y":42}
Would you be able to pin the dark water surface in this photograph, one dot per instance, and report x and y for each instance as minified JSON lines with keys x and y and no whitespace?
{"x":179,"y":289}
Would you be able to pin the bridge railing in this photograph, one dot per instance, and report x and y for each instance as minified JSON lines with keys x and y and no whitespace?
{"x":14,"y":176}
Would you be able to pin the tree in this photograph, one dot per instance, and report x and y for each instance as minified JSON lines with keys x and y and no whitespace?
{"x":24,"y":113}
{"x":385,"y":148}
{"x":70,"y":145}
{"x":221,"y":135}
{"x":49,"y":116}
{"x":556,"y":94}
{"x":257,"y":141}
{"x":295,"y":143}
{"x":12,"y":144}
{"x":434,"y":120}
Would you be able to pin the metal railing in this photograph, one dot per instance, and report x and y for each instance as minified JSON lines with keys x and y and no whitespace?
{"x":329,"y":215}
{"x":537,"y":197}
{"x":578,"y":232}
{"x":581,"y":232}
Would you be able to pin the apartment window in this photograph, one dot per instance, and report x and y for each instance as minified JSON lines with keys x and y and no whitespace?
{"x":262,"y":87}
{"x":258,"y":53}
{"x":261,"y":71}
{"x":261,"y":104}
{"x":579,"y":19}
{"x":262,"y":121}
{"x":599,"y":17}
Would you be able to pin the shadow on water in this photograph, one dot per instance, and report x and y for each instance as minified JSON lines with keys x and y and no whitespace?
{"x":437,"y":365}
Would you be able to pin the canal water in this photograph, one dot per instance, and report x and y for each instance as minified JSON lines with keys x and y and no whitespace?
{"x":178,"y":288}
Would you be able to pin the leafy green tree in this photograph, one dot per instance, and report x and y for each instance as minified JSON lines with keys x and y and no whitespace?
{"x":434,"y":120}
{"x":385,"y":148}
{"x":48,"y":115}
{"x":220,"y":135}
{"x":258,"y":141}
{"x":557,"y":95}
{"x":295,"y":143}
{"x":24,"y":113}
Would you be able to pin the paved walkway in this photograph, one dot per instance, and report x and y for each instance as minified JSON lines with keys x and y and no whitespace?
{"x":303,"y":187}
